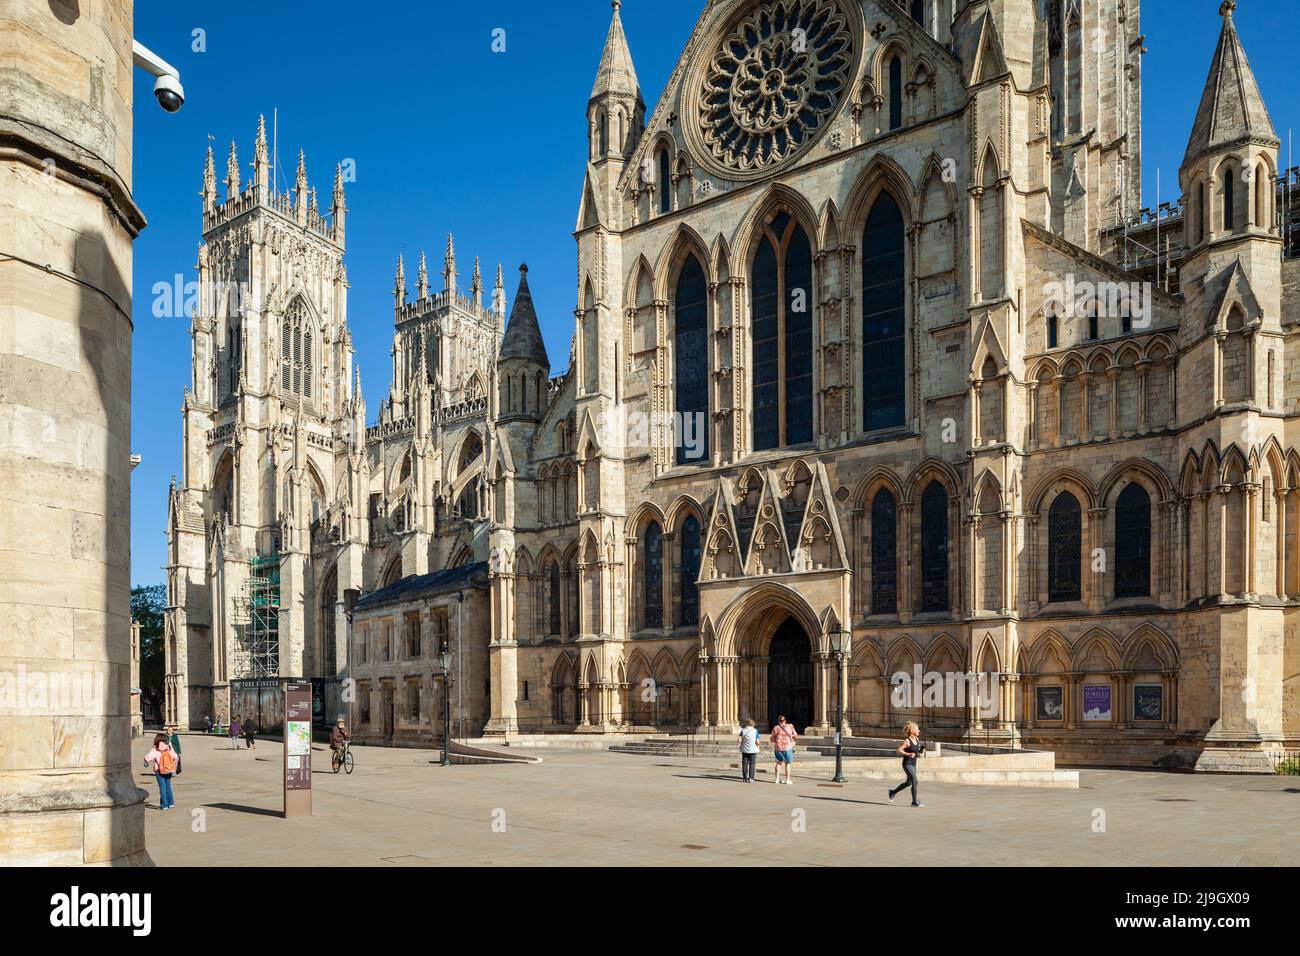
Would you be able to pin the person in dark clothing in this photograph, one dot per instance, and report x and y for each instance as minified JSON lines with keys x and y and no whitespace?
{"x":909,"y":750}
{"x":250,"y":735}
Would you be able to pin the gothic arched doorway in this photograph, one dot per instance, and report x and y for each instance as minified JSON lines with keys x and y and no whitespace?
{"x":790,"y":675}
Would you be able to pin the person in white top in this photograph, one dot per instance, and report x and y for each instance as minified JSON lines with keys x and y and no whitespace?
{"x":748,"y":752}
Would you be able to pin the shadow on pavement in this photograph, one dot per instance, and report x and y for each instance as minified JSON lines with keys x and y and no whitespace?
{"x":237,"y":808}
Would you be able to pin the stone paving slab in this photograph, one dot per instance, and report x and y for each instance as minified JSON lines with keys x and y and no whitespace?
{"x":592,"y":808}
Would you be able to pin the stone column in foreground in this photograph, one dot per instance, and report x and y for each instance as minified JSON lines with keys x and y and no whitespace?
{"x":67,"y":221}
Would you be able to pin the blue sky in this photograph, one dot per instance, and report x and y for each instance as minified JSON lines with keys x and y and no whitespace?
{"x":448,"y":136}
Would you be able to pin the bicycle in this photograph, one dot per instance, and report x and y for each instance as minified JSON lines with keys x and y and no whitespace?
{"x":342,"y":759}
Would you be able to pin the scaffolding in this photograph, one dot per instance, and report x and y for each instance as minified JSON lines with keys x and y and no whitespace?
{"x":258,"y":651}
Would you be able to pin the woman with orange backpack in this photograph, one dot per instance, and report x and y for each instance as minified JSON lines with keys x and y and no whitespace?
{"x":164,"y":762}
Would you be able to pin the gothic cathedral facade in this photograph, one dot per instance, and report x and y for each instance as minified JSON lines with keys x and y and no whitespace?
{"x":863,"y":372}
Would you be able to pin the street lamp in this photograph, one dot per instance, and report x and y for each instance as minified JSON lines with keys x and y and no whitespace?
{"x":839,"y":647}
{"x":444,"y":661}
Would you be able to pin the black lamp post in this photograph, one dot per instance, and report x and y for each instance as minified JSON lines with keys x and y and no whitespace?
{"x":839,"y":647}
{"x":444,"y":661}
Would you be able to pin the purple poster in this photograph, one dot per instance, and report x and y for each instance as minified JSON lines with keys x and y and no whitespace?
{"x":1096,"y":702}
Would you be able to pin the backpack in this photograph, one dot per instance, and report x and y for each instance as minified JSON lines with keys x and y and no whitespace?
{"x":167,"y":761}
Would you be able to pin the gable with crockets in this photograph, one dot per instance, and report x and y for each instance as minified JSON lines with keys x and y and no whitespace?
{"x":774,"y":521}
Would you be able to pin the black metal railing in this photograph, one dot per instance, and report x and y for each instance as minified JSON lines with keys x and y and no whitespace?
{"x":1286,"y":762}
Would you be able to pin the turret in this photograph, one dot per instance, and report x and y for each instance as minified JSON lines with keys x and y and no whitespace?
{"x":1232,"y":153}
{"x":616,"y":111}
{"x":1231,"y":276}
{"x":523,"y":366}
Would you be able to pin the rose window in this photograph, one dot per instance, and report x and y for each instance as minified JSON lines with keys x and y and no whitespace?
{"x":774,"y":83}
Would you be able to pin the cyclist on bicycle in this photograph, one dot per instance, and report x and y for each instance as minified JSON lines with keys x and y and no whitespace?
{"x":338,"y":737}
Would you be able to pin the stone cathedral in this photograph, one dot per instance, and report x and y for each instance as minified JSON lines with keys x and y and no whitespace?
{"x":877,"y":361}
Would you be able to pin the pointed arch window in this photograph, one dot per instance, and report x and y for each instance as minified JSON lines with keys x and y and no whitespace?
{"x":934,"y":548}
{"x":296,"y":351}
{"x":1133,"y":543}
{"x":895,"y":92}
{"x":781,"y":309}
{"x":1074,"y":69}
{"x":665,"y":183}
{"x":555,"y":595}
{"x":604,"y":134}
{"x":1229,"y":200}
{"x":690,"y":564}
{"x":691,"y":358}
{"x":1053,"y":329}
{"x":884,"y":553}
{"x":1200,"y":212}
{"x":1064,"y":544}
{"x":884,"y":300}
{"x":653,"y":581}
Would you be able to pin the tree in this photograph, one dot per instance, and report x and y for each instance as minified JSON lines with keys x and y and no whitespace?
{"x":147,"y":605}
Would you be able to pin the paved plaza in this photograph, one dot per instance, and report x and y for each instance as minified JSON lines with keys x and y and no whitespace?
{"x":581,"y":807}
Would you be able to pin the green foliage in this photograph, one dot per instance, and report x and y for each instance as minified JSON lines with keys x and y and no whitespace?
{"x":1289,"y":766}
{"x":148,"y":603}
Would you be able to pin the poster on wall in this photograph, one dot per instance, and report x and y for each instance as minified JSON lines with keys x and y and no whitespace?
{"x":1051,"y":703}
{"x":1096,"y":702}
{"x":1149,"y":702}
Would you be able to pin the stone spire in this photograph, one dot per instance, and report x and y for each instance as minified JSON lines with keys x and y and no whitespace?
{"x":616,"y":75}
{"x":1232,"y":110}
{"x":499,"y":297}
{"x":339,"y":209}
{"x":261,"y":156}
{"x":476,"y":286}
{"x":422,"y":279}
{"x":209,"y":193}
{"x":399,"y":290}
{"x":300,"y":190}
{"x":232,"y":173}
{"x":449,"y":265}
{"x":523,"y":339}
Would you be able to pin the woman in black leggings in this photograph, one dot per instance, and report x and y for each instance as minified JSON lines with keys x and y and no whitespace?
{"x":908,"y":750}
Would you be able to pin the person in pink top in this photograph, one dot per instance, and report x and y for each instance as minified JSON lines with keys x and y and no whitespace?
{"x":164,"y":761}
{"x":783,"y":738}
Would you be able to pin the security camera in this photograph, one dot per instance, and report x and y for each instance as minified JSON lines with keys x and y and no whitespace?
{"x":167,"y":85}
{"x":170,"y":93}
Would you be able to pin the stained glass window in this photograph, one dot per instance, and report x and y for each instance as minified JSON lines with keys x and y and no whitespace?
{"x":1133,"y":543}
{"x":884,"y":298}
{"x":934,"y":548}
{"x":1064,"y":543}
{"x":691,"y":354}
{"x":690,"y":565}
{"x":654,"y":576}
{"x":884,"y":553}
{"x":782,"y":336}
{"x":554,"y":596}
